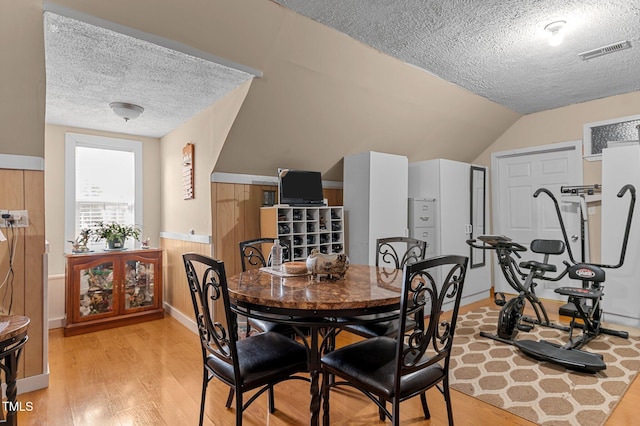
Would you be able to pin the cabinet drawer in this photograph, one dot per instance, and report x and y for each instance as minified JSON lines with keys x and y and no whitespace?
{"x":428,"y":235}
{"x":422,"y":213}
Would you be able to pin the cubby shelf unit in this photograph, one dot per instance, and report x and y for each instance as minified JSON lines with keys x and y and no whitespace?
{"x":305,"y":228}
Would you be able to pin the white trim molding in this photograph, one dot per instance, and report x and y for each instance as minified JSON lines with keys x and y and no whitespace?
{"x":192,"y":238}
{"x":21,"y":162}
{"x":222,"y":177}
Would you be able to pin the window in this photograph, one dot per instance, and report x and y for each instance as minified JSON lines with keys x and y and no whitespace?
{"x":598,"y":135}
{"x":103,"y":182}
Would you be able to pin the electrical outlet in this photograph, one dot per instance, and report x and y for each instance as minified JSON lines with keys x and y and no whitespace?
{"x":19,"y":218}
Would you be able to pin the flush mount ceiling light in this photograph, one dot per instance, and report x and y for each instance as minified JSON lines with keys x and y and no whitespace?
{"x":556,"y":30}
{"x":125,"y":110}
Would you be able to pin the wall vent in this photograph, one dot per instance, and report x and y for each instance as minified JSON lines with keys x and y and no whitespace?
{"x":604,"y":50}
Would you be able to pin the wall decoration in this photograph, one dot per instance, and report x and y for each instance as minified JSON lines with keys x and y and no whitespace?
{"x":187,"y":172}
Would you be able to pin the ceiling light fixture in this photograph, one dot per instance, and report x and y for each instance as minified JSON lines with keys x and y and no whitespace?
{"x":126,"y":111}
{"x":555,"y":28}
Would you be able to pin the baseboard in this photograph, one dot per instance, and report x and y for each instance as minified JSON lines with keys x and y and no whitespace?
{"x":474,"y":298}
{"x":29,"y":384}
{"x":56,"y":323}
{"x":621,"y":320}
{"x":184,"y":319}
{"x":181,"y":318}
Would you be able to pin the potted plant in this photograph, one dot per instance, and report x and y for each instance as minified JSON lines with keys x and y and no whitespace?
{"x":114,"y":234}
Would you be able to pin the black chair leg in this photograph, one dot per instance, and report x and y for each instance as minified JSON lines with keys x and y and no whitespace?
{"x":380,"y":410}
{"x":203,"y":398}
{"x":425,"y":407}
{"x":229,"y":398}
{"x":239,"y":409}
{"x":326,"y":379}
{"x":447,"y":400}
{"x":395,"y":414}
{"x":272,"y":405}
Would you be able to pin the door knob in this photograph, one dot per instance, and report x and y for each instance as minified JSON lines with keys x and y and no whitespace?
{"x":574,"y":237}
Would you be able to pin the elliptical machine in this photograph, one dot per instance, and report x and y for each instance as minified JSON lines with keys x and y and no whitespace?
{"x":587,"y":315}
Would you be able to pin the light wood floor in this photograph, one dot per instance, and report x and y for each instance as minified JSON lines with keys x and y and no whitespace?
{"x":150,"y":374}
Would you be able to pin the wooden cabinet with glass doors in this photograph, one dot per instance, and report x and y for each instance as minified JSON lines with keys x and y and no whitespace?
{"x":110,"y":289}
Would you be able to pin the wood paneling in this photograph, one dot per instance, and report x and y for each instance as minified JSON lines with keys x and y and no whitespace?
{"x":22,"y":293}
{"x":33,"y":271}
{"x":176,"y":290}
{"x":235,"y":217}
{"x":235,"y":212}
{"x":333,"y":196}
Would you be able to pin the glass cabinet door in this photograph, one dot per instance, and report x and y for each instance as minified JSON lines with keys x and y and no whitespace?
{"x":139,"y":284}
{"x":96,"y":290}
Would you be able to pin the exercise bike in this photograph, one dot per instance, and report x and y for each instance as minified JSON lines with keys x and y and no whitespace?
{"x":586,"y":299}
{"x":523,"y":277}
{"x":587,"y":314}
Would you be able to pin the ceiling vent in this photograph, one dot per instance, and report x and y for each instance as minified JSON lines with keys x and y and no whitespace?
{"x":604,"y":50}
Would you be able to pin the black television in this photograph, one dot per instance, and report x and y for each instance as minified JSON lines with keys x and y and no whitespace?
{"x":300,"y":188}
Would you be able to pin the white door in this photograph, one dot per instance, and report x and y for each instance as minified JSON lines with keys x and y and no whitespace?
{"x":516,"y":176}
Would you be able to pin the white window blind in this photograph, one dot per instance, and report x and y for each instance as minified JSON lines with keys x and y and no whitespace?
{"x":106,"y":181}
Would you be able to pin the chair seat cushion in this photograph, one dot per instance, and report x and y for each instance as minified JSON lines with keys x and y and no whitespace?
{"x":387,"y":328}
{"x":262,"y":358}
{"x":264,"y":325}
{"x":286,"y":329}
{"x":370,"y":364}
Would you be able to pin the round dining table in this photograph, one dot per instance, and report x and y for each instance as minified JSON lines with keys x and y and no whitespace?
{"x":319,"y":305}
{"x":13,"y":336}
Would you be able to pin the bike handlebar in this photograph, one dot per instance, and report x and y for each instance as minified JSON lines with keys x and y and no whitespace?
{"x":626,"y":188}
{"x":511,"y":246}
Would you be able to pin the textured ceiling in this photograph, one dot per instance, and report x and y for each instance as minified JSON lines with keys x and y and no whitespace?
{"x":496,"y":48}
{"x":89,"y":67}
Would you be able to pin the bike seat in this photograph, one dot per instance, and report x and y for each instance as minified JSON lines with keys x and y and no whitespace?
{"x":532,"y":264}
{"x":584,"y":293}
{"x":587,"y":272}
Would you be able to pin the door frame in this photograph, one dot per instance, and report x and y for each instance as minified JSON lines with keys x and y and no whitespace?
{"x":574,"y":146}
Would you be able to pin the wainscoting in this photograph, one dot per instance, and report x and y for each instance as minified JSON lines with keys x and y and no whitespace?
{"x":176,"y":297}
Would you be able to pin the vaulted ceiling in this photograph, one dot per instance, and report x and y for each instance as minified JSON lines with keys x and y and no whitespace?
{"x":422,"y":78}
{"x":498,"y":49}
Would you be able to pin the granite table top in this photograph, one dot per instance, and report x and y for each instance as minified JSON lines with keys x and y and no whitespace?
{"x":363,"y":287}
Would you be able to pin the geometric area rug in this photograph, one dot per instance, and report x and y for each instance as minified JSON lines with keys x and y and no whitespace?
{"x":541,"y":392}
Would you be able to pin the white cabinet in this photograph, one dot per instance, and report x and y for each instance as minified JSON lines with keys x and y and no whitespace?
{"x":445,"y":188}
{"x":305,"y":228}
{"x":375,"y":201}
{"x":622,"y":292}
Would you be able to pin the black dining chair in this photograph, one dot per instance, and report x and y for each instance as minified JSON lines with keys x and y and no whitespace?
{"x":389,"y":369}
{"x":252,"y":255}
{"x":393,"y":253}
{"x":257,"y":362}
